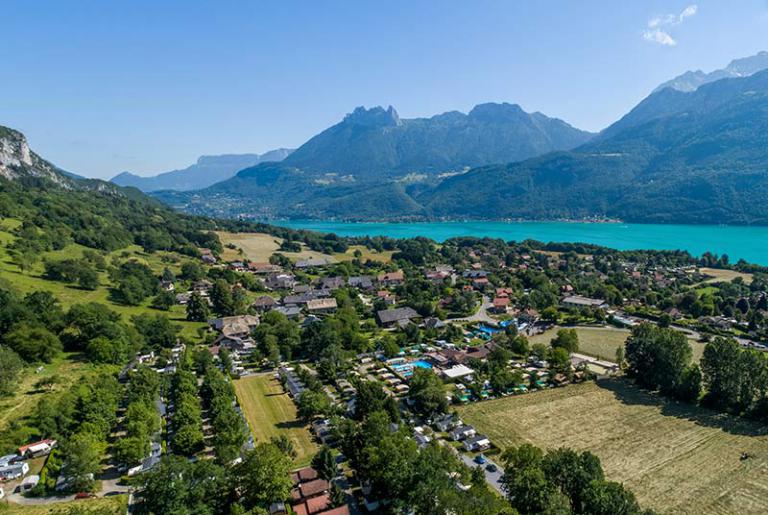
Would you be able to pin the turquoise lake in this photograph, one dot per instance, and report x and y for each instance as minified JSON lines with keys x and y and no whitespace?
{"x":748,"y":243}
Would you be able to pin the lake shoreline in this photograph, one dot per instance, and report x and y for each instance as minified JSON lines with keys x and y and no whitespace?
{"x":738,"y":242}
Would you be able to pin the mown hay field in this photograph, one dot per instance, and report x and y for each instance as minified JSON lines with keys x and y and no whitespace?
{"x":677,"y":458}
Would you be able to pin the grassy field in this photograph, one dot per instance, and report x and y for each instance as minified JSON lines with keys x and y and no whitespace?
{"x":725,"y":275}
{"x":602,"y":342}
{"x":677,"y":458}
{"x":117,"y":505}
{"x":270,"y":412}
{"x":259,"y":247}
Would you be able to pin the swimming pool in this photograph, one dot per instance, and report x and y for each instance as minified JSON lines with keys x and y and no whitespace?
{"x":422,"y":364}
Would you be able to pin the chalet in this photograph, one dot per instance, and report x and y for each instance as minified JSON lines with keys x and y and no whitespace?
{"x":321,"y":306}
{"x":577,"y":301}
{"x":399,"y":316}
{"x":183,"y":298}
{"x":462,"y":433}
{"x":362,"y":282}
{"x":476,"y":443}
{"x":264,"y":303}
{"x":504,"y":292}
{"x":480,"y":282}
{"x":392,"y":278}
{"x":167,"y":285}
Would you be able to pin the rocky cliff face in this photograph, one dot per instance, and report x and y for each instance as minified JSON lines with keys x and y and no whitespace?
{"x":17,"y":160}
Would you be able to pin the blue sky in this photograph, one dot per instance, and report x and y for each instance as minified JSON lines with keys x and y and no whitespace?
{"x":146,"y":86}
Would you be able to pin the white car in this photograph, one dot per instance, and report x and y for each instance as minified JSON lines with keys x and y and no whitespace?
{"x":2,"y":494}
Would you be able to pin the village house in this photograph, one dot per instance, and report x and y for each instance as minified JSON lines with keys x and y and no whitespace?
{"x":321,"y":306}
{"x":291,"y":312}
{"x":235,"y":332}
{"x":362,"y":282}
{"x":331,"y":283}
{"x":398,"y":316}
{"x":264,"y":303}
{"x":390,"y":279}
{"x":501,"y":304}
{"x":280,"y":281}
{"x":387,"y":297}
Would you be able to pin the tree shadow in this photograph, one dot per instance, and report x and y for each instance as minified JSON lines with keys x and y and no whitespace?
{"x":630,"y":394}
{"x":292,"y":424}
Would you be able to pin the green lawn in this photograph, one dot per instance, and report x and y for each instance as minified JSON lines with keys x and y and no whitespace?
{"x":271,"y":412}
{"x":602,"y":342}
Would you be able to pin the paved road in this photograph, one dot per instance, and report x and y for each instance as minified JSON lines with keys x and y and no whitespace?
{"x":492,"y":478}
{"x":480,"y":316}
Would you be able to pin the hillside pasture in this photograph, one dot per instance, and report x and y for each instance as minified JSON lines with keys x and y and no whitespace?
{"x":676,"y":457}
{"x":718,"y":275}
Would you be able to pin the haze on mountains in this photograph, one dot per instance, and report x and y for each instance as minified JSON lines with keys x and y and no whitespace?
{"x":206,"y":171}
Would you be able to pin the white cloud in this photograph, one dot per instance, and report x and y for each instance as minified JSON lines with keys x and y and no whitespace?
{"x":658,"y":29}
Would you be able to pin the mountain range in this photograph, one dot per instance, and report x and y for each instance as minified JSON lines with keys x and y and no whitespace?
{"x":206,"y":171}
{"x":744,"y":67}
{"x":685,"y":154}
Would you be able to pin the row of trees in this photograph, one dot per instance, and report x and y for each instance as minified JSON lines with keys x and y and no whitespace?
{"x":230,"y":432}
{"x":81,"y":419}
{"x":186,"y":418}
{"x":141,"y":420}
{"x":562,"y":481}
{"x":659,"y":358}
{"x":735,"y":379}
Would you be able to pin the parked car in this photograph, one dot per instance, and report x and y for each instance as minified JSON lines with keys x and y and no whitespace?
{"x":491,"y":467}
{"x":480,"y":459}
{"x":84,"y":495}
